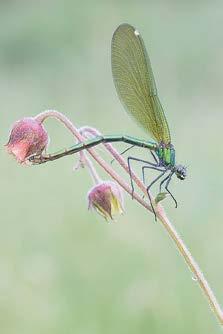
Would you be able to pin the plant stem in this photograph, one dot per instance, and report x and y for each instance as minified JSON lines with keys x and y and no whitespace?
{"x":171,"y":231}
{"x":161,"y":215}
{"x":87,"y":162}
{"x":184,"y":251}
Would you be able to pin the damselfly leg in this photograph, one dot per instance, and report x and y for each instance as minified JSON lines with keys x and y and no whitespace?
{"x":149,"y":187}
{"x":123,"y":152}
{"x":167,"y":180}
{"x":130,"y":170}
{"x":149,"y":167}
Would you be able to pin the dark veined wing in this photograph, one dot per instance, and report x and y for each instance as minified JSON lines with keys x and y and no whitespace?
{"x":135,"y":84}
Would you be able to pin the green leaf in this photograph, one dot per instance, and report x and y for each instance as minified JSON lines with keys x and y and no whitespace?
{"x":160,"y":197}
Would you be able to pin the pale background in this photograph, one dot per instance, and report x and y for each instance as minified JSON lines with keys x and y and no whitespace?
{"x":64,"y":269}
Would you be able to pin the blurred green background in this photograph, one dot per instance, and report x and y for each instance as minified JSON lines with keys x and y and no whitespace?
{"x":63,"y":269}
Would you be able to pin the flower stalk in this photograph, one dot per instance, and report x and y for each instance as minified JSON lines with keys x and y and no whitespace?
{"x":81,"y":135}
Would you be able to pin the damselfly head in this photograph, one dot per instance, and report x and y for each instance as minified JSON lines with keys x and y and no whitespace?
{"x":181,"y":172}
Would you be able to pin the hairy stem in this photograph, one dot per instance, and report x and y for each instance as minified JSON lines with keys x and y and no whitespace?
{"x":192,"y":264}
{"x":183,"y":250}
{"x":84,"y":160}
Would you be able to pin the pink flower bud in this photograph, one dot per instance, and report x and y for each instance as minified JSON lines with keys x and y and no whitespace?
{"x":106,"y":198}
{"x":27,"y":137}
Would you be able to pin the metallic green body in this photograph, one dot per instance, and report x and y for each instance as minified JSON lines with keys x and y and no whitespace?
{"x":166,"y":155}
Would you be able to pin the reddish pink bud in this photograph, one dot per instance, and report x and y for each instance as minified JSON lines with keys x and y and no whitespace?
{"x":27,"y":137}
{"x":106,"y":198}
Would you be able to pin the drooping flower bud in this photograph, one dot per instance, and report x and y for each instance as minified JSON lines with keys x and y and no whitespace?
{"x":27,"y":137}
{"x":106,"y":198}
